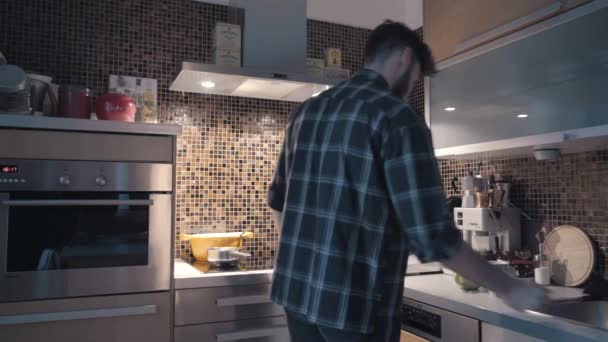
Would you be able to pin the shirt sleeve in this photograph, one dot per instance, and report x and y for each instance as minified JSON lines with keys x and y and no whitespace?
{"x":416,"y":192}
{"x":277,"y":187}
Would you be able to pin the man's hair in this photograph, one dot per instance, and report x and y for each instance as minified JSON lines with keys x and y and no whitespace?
{"x":390,"y":37}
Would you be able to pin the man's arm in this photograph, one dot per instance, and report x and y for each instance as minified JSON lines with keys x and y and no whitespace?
{"x":278,"y":217}
{"x":418,"y":198}
{"x":517,"y":294}
{"x":277,"y":189}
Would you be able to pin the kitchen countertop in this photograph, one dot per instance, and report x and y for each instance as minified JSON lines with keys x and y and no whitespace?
{"x":84,"y":125}
{"x":187,"y":276}
{"x":441,"y":291}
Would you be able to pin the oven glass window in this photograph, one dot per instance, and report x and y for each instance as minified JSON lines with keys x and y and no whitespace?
{"x":55,"y":237}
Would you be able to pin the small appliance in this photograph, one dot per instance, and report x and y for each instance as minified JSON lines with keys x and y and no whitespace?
{"x":74,"y":102}
{"x":486,"y":229}
{"x":14,"y":90}
{"x":40,"y":90}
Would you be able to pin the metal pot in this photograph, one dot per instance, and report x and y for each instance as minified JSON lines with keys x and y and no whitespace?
{"x":200,"y":243}
{"x":225,"y":256}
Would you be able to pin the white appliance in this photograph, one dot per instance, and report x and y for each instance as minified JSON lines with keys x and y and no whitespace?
{"x":482,"y":227}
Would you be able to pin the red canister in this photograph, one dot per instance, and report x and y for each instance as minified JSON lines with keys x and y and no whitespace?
{"x":74,"y":102}
{"x":117,"y":107}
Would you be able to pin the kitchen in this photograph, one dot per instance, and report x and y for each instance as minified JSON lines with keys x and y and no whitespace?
{"x":216,"y":152}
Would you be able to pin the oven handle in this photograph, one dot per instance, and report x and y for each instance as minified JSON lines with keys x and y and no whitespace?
{"x":79,"y":203}
{"x":78,"y":315}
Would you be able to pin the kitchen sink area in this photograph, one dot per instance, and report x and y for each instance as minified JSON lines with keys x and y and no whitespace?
{"x":593,"y":313}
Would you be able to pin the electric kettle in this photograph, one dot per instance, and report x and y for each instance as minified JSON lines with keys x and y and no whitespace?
{"x":40,"y":89}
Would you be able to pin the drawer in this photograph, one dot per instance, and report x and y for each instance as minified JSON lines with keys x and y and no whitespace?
{"x":220,"y":304}
{"x":260,"y":330}
{"x":26,"y":144}
{"x":125,"y":318}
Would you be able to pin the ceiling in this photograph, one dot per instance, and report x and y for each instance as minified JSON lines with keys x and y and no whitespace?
{"x":361,"y":13}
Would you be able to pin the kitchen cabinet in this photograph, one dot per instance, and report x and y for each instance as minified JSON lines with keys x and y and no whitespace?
{"x":494,"y":333}
{"x":226,"y":303}
{"x":229,"y":313}
{"x":270,"y":329}
{"x":526,"y":91}
{"x":125,"y":318}
{"x":448,"y":23}
{"x":409,"y":337}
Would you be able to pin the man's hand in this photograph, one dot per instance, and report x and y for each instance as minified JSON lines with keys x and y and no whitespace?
{"x":514,"y":292}
{"x":524,"y":296}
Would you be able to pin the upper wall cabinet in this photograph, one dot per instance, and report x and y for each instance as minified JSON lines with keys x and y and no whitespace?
{"x":452,"y":27}
{"x":540,"y":86}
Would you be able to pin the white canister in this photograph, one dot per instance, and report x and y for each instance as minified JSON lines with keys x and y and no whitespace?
{"x":542,"y":275}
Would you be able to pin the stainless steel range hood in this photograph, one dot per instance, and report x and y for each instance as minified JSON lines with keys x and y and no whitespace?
{"x":274,"y":57}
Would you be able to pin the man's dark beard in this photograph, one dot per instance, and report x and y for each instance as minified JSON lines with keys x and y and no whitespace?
{"x":402,"y":86}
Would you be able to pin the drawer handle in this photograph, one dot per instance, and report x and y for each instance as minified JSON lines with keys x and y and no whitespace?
{"x":253,"y":333}
{"x":78,"y":203}
{"x":77,"y":315}
{"x":243,"y":300}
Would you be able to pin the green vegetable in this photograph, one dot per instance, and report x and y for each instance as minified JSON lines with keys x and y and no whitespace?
{"x":465,"y":284}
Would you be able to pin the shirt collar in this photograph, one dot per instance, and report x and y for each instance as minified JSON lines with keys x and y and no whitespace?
{"x":373,"y":78}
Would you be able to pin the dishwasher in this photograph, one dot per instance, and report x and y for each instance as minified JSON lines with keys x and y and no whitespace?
{"x":423,"y":322}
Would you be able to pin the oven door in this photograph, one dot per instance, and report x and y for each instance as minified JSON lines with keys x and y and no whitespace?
{"x":72,"y":244}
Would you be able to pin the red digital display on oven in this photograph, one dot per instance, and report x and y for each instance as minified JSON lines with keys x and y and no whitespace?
{"x":9,"y":168}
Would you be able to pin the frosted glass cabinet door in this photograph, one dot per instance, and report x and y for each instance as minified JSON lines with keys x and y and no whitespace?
{"x":497,"y":334}
{"x":559,"y":89}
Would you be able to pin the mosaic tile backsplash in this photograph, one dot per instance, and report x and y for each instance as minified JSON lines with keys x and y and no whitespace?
{"x":570,"y":191}
{"x":227,"y":153}
{"x":228,"y":150}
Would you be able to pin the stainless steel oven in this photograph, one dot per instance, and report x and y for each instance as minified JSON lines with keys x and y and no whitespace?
{"x":83,"y":228}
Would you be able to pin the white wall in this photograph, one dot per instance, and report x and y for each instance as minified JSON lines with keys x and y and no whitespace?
{"x":361,"y":13}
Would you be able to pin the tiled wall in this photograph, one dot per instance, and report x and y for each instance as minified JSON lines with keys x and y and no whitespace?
{"x":570,"y":191}
{"x":227,"y":152}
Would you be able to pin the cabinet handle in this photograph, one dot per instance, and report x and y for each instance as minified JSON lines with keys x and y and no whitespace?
{"x":79,"y":203}
{"x":508,"y":27}
{"x":78,"y":315}
{"x":243,"y":300}
{"x":253,"y":333}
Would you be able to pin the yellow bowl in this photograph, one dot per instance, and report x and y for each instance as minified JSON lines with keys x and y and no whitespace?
{"x":200,"y":243}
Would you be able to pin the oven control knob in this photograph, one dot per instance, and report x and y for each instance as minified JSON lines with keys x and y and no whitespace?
{"x":101,"y":181}
{"x":65,"y":180}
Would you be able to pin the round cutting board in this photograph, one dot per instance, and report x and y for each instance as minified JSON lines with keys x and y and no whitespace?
{"x":570,"y":254}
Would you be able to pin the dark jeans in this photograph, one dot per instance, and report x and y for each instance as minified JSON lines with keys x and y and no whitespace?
{"x":303,"y":331}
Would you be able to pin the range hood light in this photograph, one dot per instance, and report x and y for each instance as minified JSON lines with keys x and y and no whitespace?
{"x":449,"y":109}
{"x":208,"y":84}
{"x":522,"y":115}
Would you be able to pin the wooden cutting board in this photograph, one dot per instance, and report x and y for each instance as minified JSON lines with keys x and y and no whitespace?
{"x":570,"y":254}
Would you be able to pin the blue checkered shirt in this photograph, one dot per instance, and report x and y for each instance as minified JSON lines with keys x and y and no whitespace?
{"x":359,"y":188}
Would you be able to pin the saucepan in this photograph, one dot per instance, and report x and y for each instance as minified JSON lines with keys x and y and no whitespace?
{"x":201,"y":243}
{"x":225,"y":256}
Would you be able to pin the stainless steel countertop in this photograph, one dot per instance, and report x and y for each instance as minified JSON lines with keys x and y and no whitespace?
{"x":441,"y":291}
{"x":187,"y":276}
{"x":84,"y":125}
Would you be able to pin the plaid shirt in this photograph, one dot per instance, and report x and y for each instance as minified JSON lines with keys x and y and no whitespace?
{"x":359,"y":187}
